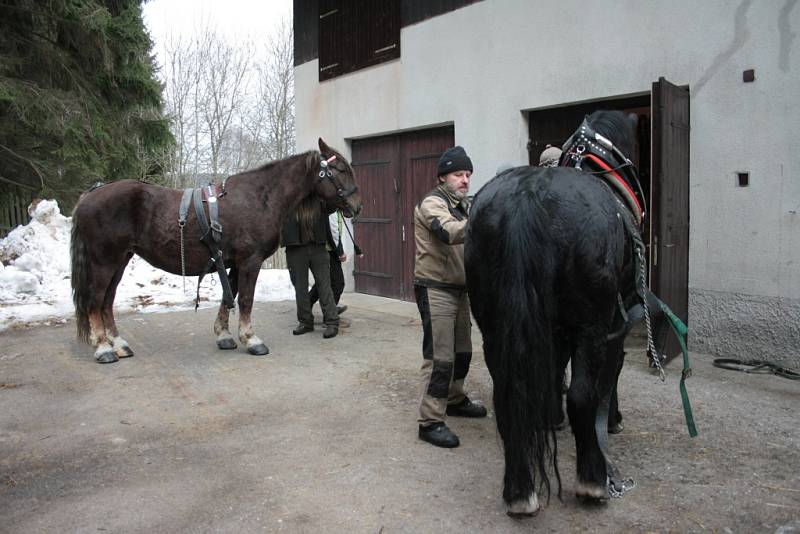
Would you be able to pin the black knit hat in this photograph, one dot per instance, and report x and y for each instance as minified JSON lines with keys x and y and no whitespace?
{"x":454,"y":159}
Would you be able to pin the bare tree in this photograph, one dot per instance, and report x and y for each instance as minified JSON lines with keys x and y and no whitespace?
{"x":230,"y":110}
{"x":180,"y":78}
{"x":271,"y":121}
{"x":224,"y":73}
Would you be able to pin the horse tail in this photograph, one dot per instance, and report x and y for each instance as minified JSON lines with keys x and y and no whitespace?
{"x":82,"y":289}
{"x":511,"y":274}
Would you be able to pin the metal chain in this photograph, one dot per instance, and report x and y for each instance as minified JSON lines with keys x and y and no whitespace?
{"x":183,"y":262}
{"x":625,"y":486}
{"x":651,"y":346}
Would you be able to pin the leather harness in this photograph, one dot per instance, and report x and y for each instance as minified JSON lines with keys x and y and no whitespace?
{"x":591,"y":152}
{"x":211,"y":231}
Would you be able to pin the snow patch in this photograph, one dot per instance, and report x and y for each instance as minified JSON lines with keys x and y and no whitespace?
{"x":35,"y":277}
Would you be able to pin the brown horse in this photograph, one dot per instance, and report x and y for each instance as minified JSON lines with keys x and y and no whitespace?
{"x":115,"y":221}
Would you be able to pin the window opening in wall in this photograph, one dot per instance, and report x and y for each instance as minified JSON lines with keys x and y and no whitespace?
{"x":743,"y":179}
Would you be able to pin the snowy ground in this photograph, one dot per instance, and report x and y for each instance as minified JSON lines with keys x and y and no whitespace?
{"x":35,"y":277}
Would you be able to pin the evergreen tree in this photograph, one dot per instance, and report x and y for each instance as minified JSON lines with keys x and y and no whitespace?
{"x":79,"y":99}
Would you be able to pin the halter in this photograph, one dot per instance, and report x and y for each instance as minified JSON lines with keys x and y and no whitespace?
{"x":325,"y":172}
{"x":589,"y":148}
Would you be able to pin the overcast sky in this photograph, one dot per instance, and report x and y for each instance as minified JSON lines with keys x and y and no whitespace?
{"x":235,"y":19}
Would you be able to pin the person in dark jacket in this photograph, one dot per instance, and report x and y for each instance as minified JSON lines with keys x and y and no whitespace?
{"x":304,"y":235}
{"x":337,"y":256}
{"x":440,"y":221}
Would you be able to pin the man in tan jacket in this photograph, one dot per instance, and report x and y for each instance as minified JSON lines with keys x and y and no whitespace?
{"x":440,"y":220}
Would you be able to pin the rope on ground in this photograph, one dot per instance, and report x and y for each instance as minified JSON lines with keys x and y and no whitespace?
{"x":756,"y":367}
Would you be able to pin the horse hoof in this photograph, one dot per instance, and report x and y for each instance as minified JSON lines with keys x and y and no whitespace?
{"x":591,"y":492}
{"x":524,"y":507}
{"x":226,"y":343}
{"x":615,"y":429}
{"x":106,"y":357}
{"x":258,"y":350}
{"x":123,"y":352}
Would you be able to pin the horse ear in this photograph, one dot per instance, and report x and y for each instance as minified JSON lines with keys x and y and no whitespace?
{"x":323,"y":147}
{"x":633,"y":119}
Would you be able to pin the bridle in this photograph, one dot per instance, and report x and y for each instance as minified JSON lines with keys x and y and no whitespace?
{"x":326,"y":173}
{"x":587,"y":148}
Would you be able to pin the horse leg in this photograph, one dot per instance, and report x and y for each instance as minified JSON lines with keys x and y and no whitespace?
{"x":563,"y":350}
{"x":225,"y":340}
{"x":99,"y":334}
{"x":519,"y":489}
{"x":615,"y":425}
{"x":583,"y":400}
{"x":120,"y":346}
{"x":247,"y":288}
{"x":606,"y":386}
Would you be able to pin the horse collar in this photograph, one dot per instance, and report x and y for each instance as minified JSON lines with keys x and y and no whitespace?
{"x":588,"y":148}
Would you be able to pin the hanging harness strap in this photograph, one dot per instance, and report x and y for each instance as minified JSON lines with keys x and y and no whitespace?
{"x":680,"y":329}
{"x":211,"y":238}
{"x":648,"y":301}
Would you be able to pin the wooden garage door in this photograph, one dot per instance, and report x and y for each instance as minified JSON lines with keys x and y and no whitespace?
{"x":377,"y":229}
{"x":393,"y":173}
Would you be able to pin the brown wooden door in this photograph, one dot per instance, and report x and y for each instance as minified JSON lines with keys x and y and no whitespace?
{"x":393,"y":173}
{"x":377,"y":229}
{"x":669,"y":253}
{"x":420,"y":154}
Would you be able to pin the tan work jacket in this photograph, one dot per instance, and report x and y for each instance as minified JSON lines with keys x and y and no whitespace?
{"x":440,"y":220}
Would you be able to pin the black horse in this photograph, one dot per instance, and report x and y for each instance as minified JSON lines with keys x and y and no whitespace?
{"x":550,"y":264}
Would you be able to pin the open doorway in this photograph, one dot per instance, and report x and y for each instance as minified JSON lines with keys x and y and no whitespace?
{"x":661,"y":156}
{"x":553,"y":126}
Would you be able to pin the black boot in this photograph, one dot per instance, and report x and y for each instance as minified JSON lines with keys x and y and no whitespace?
{"x":341,"y":309}
{"x":330,"y":331}
{"x":438,"y":434}
{"x":466,"y":408}
{"x":302,"y":329}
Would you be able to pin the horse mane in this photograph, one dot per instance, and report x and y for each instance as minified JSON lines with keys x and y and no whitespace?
{"x":311,"y":160}
{"x":616,"y":126}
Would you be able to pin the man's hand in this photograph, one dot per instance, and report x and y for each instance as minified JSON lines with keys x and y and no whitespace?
{"x":343,"y":258}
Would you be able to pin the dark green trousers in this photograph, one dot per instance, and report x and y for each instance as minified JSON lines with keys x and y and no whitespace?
{"x":300,"y":259}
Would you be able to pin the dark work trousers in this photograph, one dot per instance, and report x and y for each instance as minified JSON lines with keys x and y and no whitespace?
{"x":300,"y":259}
{"x":337,"y":280}
{"x":446,"y":350}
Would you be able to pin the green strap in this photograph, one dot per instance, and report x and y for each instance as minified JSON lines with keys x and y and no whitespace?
{"x":680,"y":330}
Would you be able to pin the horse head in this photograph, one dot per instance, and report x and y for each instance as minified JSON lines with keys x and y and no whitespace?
{"x":336,"y":182}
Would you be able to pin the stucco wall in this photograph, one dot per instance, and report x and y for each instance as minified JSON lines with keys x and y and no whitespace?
{"x":479,"y":67}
